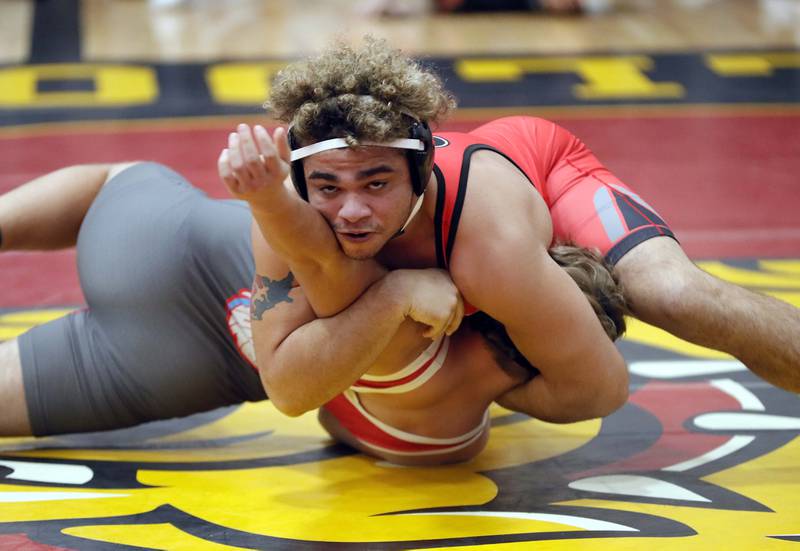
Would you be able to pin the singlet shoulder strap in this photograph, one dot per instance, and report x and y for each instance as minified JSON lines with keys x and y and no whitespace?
{"x":452,"y":174}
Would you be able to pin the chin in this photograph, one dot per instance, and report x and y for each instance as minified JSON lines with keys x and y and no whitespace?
{"x":359,"y":254}
{"x":364,"y":252}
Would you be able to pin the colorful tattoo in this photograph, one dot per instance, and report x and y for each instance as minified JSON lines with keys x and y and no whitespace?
{"x":268,"y":293}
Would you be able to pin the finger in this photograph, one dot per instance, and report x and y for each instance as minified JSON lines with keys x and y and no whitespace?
{"x":446,"y":324}
{"x":450,"y":320}
{"x":435,"y":331}
{"x":250,"y":156}
{"x":458,"y":316}
{"x":281,"y":139}
{"x":267,"y":148}
{"x":263,"y":141}
{"x":235,"y":152}
{"x":226,"y":173}
{"x":236,"y":161}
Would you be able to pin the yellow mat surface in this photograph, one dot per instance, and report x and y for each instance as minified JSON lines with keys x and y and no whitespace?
{"x":704,"y":456}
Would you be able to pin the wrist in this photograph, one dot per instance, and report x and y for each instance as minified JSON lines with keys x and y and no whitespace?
{"x":269,"y":202}
{"x":393,"y":292}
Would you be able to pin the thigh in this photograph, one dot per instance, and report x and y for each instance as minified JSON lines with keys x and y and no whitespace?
{"x":597,"y":211}
{"x":79,"y":376}
{"x":130,"y":246}
{"x":161,"y":262}
{"x":158,"y":262}
{"x":590,"y":207}
{"x":14,"y":421}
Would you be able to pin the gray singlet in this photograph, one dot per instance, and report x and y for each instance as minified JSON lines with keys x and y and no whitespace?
{"x":166,"y":272}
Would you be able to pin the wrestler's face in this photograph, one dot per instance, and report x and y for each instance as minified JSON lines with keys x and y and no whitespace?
{"x":364,"y":193}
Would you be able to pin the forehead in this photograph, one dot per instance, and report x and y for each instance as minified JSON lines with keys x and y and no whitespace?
{"x":355,"y":158}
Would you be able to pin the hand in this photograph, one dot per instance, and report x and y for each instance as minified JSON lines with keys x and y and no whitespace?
{"x":432,"y":299}
{"x":253,"y":163}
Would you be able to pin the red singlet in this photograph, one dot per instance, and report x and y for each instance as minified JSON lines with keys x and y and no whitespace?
{"x":589,"y":206}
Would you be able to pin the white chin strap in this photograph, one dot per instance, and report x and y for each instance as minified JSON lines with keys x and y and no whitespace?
{"x":414,"y":211}
{"x":339,"y":143}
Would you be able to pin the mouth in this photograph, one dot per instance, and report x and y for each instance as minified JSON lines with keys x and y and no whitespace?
{"x":355,"y":236}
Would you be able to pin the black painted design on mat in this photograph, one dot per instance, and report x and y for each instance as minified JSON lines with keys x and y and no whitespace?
{"x":50,"y":532}
{"x":56,"y":32}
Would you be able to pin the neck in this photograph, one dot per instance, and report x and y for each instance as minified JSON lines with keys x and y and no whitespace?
{"x":416,"y":247}
{"x":422,"y":214}
{"x":415,"y":207}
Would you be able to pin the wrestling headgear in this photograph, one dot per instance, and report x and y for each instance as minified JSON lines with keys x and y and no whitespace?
{"x":419,"y":152}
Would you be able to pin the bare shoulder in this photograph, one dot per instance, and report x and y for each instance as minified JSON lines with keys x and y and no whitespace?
{"x":502,"y":212}
{"x":498,"y":193}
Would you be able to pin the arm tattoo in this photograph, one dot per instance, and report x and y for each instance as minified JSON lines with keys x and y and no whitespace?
{"x":268,"y":293}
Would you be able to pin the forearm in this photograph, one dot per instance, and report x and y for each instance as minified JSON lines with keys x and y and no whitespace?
{"x":553,"y":403}
{"x":323,"y":357}
{"x":301,"y":237}
{"x":293,"y":228}
{"x":46,"y":213}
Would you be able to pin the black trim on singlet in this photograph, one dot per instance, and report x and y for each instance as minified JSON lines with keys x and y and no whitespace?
{"x":461,"y":194}
{"x":636,"y":214}
{"x":437,"y":217}
{"x":643,"y":224}
{"x":632,"y":239}
{"x":443,"y":253}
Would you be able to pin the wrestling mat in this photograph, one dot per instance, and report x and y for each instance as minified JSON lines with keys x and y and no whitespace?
{"x":704,"y":456}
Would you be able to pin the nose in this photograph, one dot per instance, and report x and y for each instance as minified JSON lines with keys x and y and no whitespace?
{"x":354,"y":208}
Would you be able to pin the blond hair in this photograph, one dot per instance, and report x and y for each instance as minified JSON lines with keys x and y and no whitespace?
{"x":599,"y":284}
{"x":364,"y":93}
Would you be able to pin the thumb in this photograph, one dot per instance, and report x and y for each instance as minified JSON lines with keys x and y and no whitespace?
{"x":282,"y":144}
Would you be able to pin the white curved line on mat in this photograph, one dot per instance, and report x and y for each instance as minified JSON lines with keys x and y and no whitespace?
{"x":21,"y":497}
{"x":53,"y":473}
{"x":635,"y":485}
{"x":578,"y":522}
{"x":746,"y":421}
{"x":670,"y":369}
{"x":731,"y":446}
{"x":742,"y":394}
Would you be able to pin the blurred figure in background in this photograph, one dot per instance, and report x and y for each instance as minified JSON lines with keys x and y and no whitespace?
{"x":418,"y":7}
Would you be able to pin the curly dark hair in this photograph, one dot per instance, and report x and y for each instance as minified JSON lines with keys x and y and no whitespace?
{"x":364,"y":93}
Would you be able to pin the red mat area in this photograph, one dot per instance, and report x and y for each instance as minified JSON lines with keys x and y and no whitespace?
{"x":726,"y":184}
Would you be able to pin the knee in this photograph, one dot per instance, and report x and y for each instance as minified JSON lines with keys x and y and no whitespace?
{"x":14,"y":420}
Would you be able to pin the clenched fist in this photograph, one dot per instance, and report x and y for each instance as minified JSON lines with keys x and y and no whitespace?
{"x":431,"y":298}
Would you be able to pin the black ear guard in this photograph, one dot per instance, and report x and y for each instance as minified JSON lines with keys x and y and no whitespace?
{"x":420,"y":162}
{"x":296,"y":169}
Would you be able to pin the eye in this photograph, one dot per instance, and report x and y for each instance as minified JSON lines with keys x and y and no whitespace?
{"x":328,"y":190}
{"x":378,"y":184}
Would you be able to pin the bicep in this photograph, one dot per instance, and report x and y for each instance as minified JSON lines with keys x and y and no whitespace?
{"x":330,"y":287}
{"x":278,"y":306}
{"x":501,"y":265}
{"x":545,"y":314}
